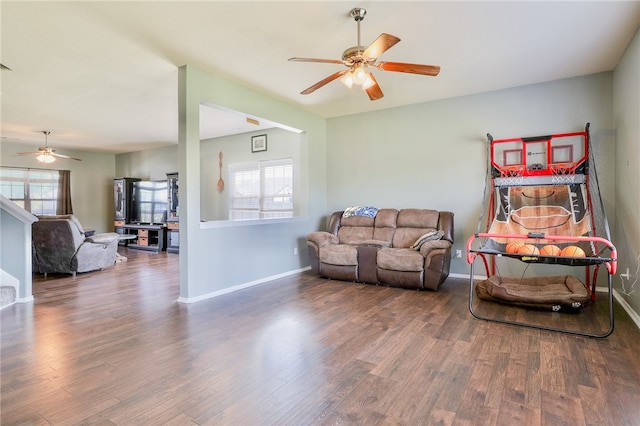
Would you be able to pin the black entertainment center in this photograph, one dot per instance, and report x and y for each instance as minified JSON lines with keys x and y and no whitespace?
{"x":146,"y":212}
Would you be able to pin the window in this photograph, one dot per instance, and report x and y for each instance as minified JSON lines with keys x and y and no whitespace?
{"x":261,"y":190}
{"x":34,"y":190}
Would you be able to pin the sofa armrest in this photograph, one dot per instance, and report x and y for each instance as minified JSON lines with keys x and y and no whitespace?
{"x":333,"y":223}
{"x":445,"y":223}
{"x":104,"y":238}
{"x":91,"y":256}
{"x":321,"y":238}
{"x":437,"y":261}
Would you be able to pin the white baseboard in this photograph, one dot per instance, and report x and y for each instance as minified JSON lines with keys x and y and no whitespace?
{"x":627,"y":308}
{"x":240,"y":286}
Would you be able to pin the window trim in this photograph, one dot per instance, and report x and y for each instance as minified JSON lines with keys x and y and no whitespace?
{"x":257,"y":207}
{"x":28,"y":181}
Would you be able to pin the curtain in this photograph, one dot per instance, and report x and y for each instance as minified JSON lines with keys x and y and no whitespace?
{"x":64,"y":193}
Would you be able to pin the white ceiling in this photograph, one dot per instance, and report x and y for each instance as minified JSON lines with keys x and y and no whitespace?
{"x":102,"y":76}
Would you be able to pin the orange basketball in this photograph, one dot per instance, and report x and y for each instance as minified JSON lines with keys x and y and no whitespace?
{"x":550,"y":250}
{"x":528,"y":249}
{"x":572,"y":251}
{"x":513,"y":246}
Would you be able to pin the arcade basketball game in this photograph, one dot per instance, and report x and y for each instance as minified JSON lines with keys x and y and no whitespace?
{"x":542,"y":205}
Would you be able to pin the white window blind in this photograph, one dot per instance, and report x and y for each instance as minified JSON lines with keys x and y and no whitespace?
{"x":34,"y":190}
{"x":261,"y":190}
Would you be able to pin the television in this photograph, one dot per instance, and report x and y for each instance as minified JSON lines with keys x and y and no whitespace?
{"x":149,"y":202}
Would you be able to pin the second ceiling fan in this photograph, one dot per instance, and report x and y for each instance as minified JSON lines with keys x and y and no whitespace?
{"x":358,"y":59}
{"x":45,"y":154}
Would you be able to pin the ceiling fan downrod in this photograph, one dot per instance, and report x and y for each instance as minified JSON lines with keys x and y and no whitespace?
{"x":358,"y":15}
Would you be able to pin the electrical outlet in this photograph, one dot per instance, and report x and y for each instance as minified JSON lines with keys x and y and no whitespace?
{"x":458,"y":253}
{"x":626,"y":274}
{"x":295,"y":251}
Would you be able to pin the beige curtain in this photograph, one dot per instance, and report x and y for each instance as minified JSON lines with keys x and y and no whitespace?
{"x":64,"y":193}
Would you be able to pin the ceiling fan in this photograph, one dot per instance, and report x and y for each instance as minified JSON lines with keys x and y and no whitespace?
{"x":46,"y":154}
{"x":358,"y":59}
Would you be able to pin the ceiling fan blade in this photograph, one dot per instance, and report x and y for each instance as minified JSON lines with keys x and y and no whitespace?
{"x":65,"y":156}
{"x":326,"y":61}
{"x":374,"y":91}
{"x":383,"y":43}
{"x":432,"y":70}
{"x":28,"y":153}
{"x":321,"y":83}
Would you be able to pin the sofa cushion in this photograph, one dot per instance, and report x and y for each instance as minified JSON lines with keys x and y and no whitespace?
{"x":406,"y":237}
{"x":355,"y":234}
{"x":386,"y":218}
{"x":403,"y":259}
{"x":70,"y":217}
{"x":357,"y":221}
{"x":339,"y":254}
{"x":385,"y":225}
{"x":418,"y":218}
{"x":377,"y":243}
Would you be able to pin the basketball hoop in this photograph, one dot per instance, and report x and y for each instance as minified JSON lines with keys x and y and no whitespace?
{"x":563,"y":173}
{"x":512,"y":171}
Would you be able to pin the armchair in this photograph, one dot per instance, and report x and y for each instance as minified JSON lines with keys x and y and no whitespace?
{"x":60,"y":245}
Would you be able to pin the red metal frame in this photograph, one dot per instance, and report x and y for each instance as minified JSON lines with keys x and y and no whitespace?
{"x":549,"y":170}
{"x":610,"y":264}
{"x":552,"y":168}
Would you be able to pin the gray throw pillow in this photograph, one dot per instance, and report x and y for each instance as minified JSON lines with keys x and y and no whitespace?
{"x":429,"y":236}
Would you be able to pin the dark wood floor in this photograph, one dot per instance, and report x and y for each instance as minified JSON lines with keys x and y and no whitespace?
{"x":114,"y":347}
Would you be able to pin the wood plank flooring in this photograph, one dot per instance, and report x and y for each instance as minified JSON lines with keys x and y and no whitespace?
{"x":115,"y":348}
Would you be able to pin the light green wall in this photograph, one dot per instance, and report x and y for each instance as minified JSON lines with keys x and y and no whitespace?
{"x":150,"y":164}
{"x":215,"y":259}
{"x":430,"y":155}
{"x":433,"y":155}
{"x":626,"y":85}
{"x":15,"y":252}
{"x":154,"y":164}
{"x":237,"y":149}
{"x":91,"y":181}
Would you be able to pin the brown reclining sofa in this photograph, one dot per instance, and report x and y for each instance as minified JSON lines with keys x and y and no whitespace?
{"x":408,"y":248}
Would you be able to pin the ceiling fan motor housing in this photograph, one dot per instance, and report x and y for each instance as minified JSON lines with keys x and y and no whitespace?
{"x":353,"y":55}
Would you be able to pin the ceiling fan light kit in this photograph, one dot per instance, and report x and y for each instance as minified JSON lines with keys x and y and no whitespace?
{"x":45,"y":157}
{"x":357,"y":59}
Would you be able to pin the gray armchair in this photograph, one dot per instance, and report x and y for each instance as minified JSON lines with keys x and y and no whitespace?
{"x":60,"y":245}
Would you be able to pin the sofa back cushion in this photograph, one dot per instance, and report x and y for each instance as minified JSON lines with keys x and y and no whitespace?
{"x":401,"y":228}
{"x":355,"y":229}
{"x":385,"y":225}
{"x":70,"y":217}
{"x":406,"y":237}
{"x":418,"y":218}
{"x":54,"y":244}
{"x":412,"y":223}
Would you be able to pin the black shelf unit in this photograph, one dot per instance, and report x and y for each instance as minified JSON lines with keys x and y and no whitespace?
{"x":173,"y":214}
{"x":148,"y":237}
